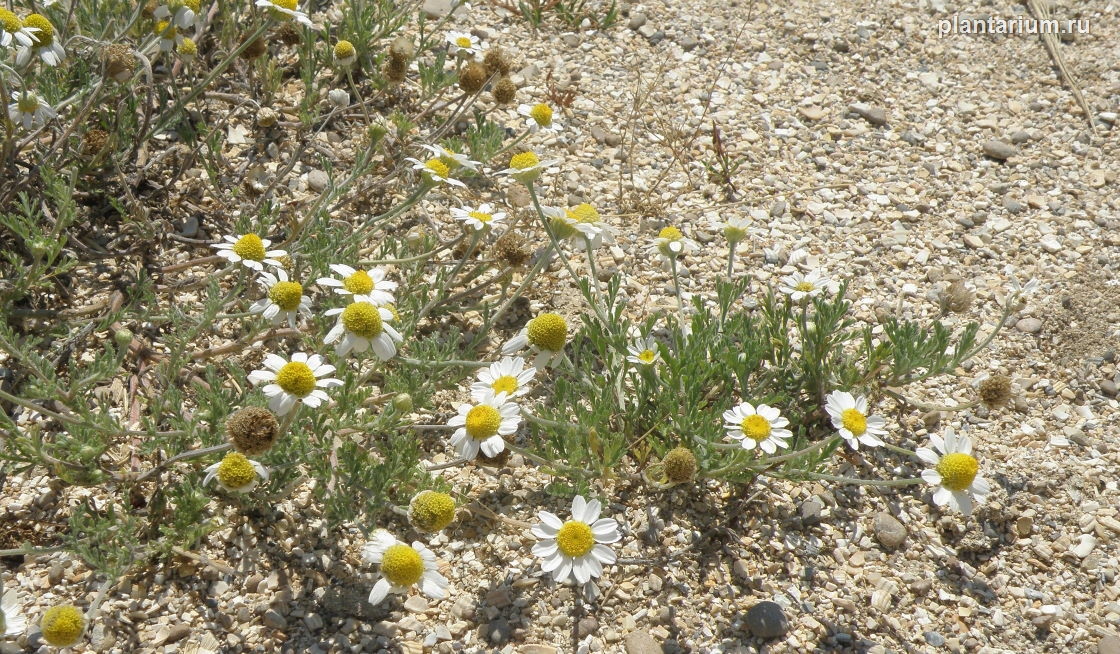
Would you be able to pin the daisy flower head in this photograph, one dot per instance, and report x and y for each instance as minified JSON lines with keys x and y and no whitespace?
{"x":478,"y":219}
{"x":287,"y":383}
{"x":402,"y":567}
{"x":430,"y":511}
{"x":236,"y":473}
{"x":509,"y":376}
{"x":285,"y":10}
{"x":762,"y":427}
{"x":464,"y":43}
{"x":954,"y":472}
{"x":29,"y":110}
{"x":581,"y":225}
{"x":450,"y":157}
{"x":539,"y":117}
{"x":364,"y":286}
{"x":168,"y":33}
{"x":849,"y":417}
{"x":576,"y":549}
{"x":285,"y":300}
{"x":644,"y":352}
{"x":13,"y":29}
{"x":546,"y":334}
{"x":526,"y":167}
{"x":344,"y":53}
{"x":361,"y":326}
{"x":671,"y":243}
{"x":45,"y":43}
{"x":183,"y":14}
{"x":12,"y":620}
{"x":482,"y":425}
{"x":799,"y":286}
{"x":435,"y":171}
{"x":735,"y":229}
{"x":62,"y":625}
{"x":249,"y":250}
{"x":187,"y":49}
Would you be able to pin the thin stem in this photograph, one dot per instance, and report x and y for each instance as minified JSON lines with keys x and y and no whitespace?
{"x":900,"y":450}
{"x":556,"y":245}
{"x":450,"y":363}
{"x":861,"y":482}
{"x":184,"y":456}
{"x":731,"y":261}
{"x":539,"y":460}
{"x":449,"y":464}
{"x":475,"y":237}
{"x":928,"y":407}
{"x":31,"y":551}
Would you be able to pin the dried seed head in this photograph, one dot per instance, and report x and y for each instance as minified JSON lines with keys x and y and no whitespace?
{"x":396,"y":69}
{"x":94,"y":141}
{"x":254,"y":49}
{"x":512,"y":249}
{"x":149,"y":10}
{"x":955,"y":299}
{"x":119,"y":61}
{"x":252,"y":430}
{"x":504,"y":91}
{"x":402,"y":49}
{"x":995,"y":391}
{"x":267,"y":117}
{"x":680,"y":465}
{"x":496,"y":461}
{"x":496,"y":62}
{"x":288,"y":33}
{"x":473,"y":77}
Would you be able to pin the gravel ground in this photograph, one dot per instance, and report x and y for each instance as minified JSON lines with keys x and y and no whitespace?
{"x":873,"y":149}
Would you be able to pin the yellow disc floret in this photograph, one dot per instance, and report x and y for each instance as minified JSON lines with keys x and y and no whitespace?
{"x":362,"y":319}
{"x":463,"y":41}
{"x":236,"y":471}
{"x":27,"y":104}
{"x":431,"y":511}
{"x":957,"y":470}
{"x":249,"y":246}
{"x":670,"y":233}
{"x":481,"y":217}
{"x":437,"y":167}
{"x":286,"y":295}
{"x":854,"y":421}
{"x":734,"y":234}
{"x":295,"y":377}
{"x":583,"y":213}
{"x":483,"y":422}
{"x":548,"y":331}
{"x":290,"y":5}
{"x":755,"y":427}
{"x":804,"y":287}
{"x":9,"y":21}
{"x":187,"y":47}
{"x":505,"y":384}
{"x":541,"y":113}
{"x":647,"y":356}
{"x":402,"y":565}
{"x":523,"y":160}
{"x":45,"y":35}
{"x":193,"y":5}
{"x":344,"y":50}
{"x":575,"y":539}
{"x":360,"y":283}
{"x":62,"y":625}
{"x":165,"y":29}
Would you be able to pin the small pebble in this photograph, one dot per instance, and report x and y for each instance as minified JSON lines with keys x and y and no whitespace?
{"x":767,"y":620}
{"x":997,"y":149}
{"x":888,"y":530}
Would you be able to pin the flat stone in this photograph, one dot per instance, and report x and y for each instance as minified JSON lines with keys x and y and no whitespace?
{"x":640,"y":642}
{"x":317,"y":180}
{"x":637,"y":19}
{"x":767,"y":620}
{"x":587,"y":626}
{"x":1108,"y":387}
{"x":1029,"y":325}
{"x":811,"y":511}
{"x":1109,"y":645}
{"x":973,"y":241}
{"x":997,"y":149}
{"x":275,"y":620}
{"x":875,"y":115}
{"x":416,"y":604}
{"x":1019,"y":137}
{"x":934,"y":638}
{"x":176,"y":633}
{"x":537,"y":649}
{"x":888,"y":530}
{"x":441,"y":8}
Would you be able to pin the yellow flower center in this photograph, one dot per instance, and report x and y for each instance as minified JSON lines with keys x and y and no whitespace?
{"x":734,"y":234}
{"x":562,"y":228}
{"x":295,"y":377}
{"x":402,"y":565}
{"x":343,"y":50}
{"x":27,"y":104}
{"x":481,"y":217}
{"x":45,"y":35}
{"x":853,"y":421}
{"x":393,"y":310}
{"x":647,"y":356}
{"x":63,"y":625}
{"x":548,"y":331}
{"x":187,"y":47}
{"x":165,"y":29}
{"x":523,"y":160}
{"x":9,"y":21}
{"x":431,"y":511}
{"x":286,"y":4}
{"x":805,"y":287}
{"x":362,"y":319}
{"x":249,"y":246}
{"x":957,"y":470}
{"x":483,"y":422}
{"x":463,"y":41}
{"x":575,"y":539}
{"x":193,"y":5}
{"x":360,"y":283}
{"x":286,"y":295}
{"x":755,"y":427}
{"x":505,"y":384}
{"x":583,"y":213}
{"x":235,"y":471}
{"x":541,"y":113}
{"x":437,"y":168}
{"x":670,"y":233}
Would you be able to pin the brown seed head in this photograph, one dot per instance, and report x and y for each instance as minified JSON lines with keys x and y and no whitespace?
{"x":680,"y":465}
{"x":513,"y":249}
{"x":504,"y":91}
{"x":496,"y":62}
{"x":955,"y":299}
{"x":119,"y":61}
{"x":94,"y":141}
{"x":255,"y":49}
{"x":995,"y":391}
{"x":252,"y":430}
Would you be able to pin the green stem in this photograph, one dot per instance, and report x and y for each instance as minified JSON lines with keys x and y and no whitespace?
{"x":861,"y":482}
{"x":450,"y":363}
{"x":567,"y":264}
{"x":451,"y":278}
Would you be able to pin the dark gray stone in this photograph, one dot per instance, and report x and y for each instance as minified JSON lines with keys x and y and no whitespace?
{"x":767,"y":620}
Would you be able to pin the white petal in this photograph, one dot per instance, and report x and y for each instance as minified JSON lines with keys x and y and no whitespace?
{"x":927,"y":455}
{"x":274,"y":362}
{"x":380,"y":592}
{"x":545,"y":548}
{"x":932,"y":477}
{"x":591,"y":512}
{"x":605,"y":530}
{"x":434,"y":585}
{"x":551,"y":520}
{"x":604,"y":554}
{"x":578,"y":506}
{"x":581,"y":571}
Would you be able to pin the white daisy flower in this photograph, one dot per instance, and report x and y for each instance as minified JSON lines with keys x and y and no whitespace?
{"x":362,"y":325}
{"x":481,"y":426}
{"x":402,"y":567}
{"x":539,"y":117}
{"x":762,"y":427}
{"x":576,"y":549}
{"x":13,"y":29}
{"x":644,"y":352}
{"x":434,"y":171}
{"x":12,"y":620}
{"x":285,"y":300}
{"x":849,"y":417}
{"x":1023,"y":290}
{"x":509,"y":376}
{"x":365,"y":286}
{"x":479,"y":219}
{"x":250,"y":250}
{"x":300,"y":380}
{"x":798,"y":286}
{"x":546,"y":334}
{"x":285,"y":10}
{"x":183,"y":14}
{"x":526,"y":167}
{"x":169,"y":36}
{"x":236,"y":473}
{"x":29,"y":110}
{"x":734,"y":229}
{"x":671,"y":243}
{"x":451,"y":158}
{"x":954,"y":472}
{"x":44,"y":44}
{"x":465,"y":43}
{"x":581,"y":225}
